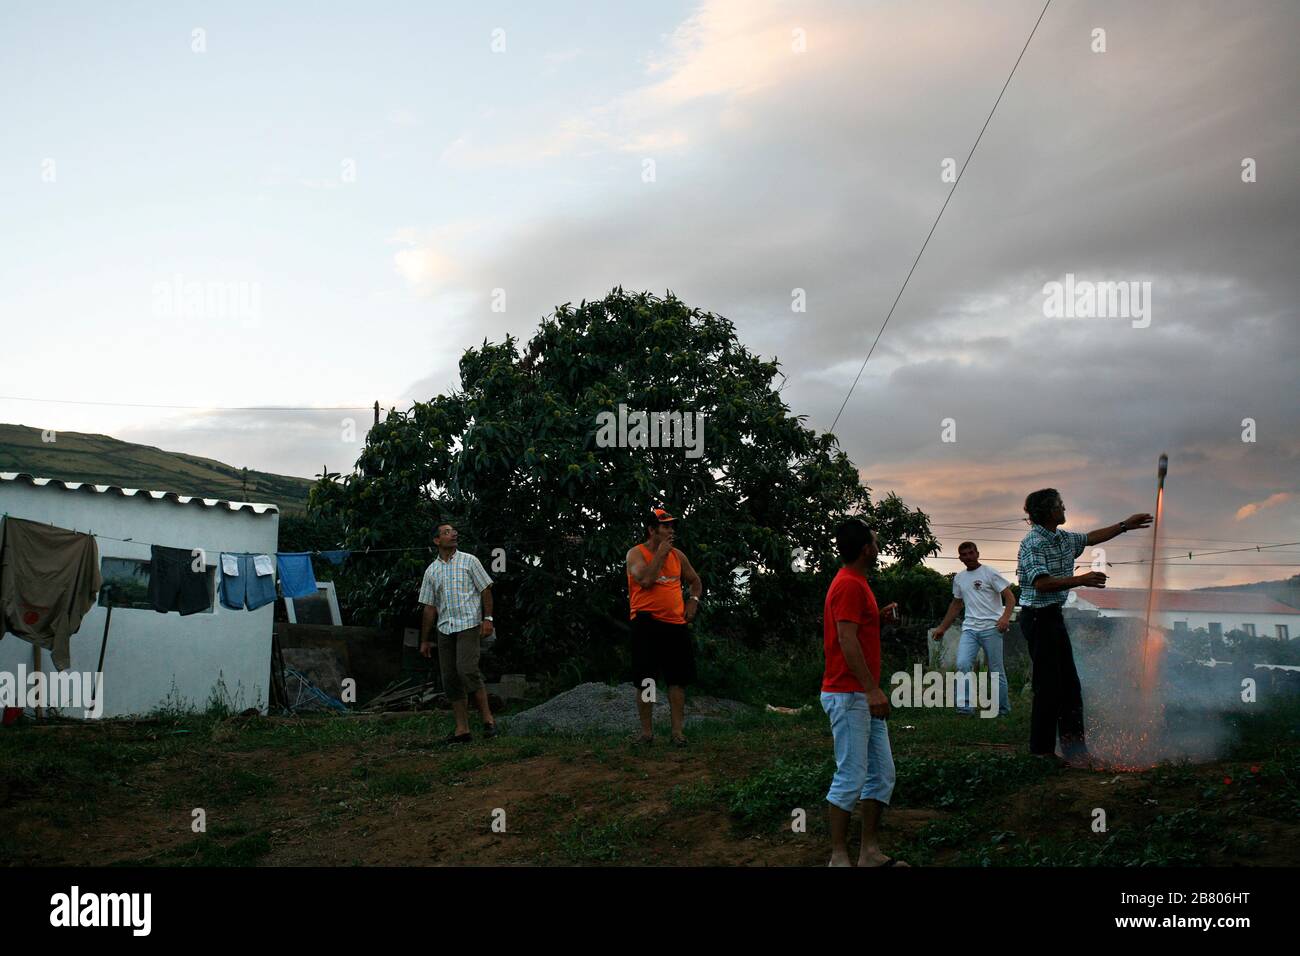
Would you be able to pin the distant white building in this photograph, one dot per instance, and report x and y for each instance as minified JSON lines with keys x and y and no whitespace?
{"x":155,"y":660}
{"x":1217,"y":612}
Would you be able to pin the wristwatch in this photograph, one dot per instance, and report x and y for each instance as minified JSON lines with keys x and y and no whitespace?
{"x":487,"y":617}
{"x":1123,"y":526}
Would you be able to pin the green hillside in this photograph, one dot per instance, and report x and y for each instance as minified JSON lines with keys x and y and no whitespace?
{"x":1287,"y":591}
{"x":106,"y":461}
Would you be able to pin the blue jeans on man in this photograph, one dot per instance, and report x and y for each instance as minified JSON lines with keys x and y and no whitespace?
{"x":864,"y":763}
{"x":990,"y":639}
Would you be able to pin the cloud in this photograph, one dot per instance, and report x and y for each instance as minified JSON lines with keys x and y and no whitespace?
{"x":1255,"y":507}
{"x":738,"y":48}
{"x":426,"y":261}
{"x":820,"y":171}
{"x":424,"y":266}
{"x":724,"y":53}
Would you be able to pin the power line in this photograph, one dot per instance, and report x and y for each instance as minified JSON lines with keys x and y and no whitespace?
{"x":1111,"y":546}
{"x":1254,"y":545}
{"x":1220,"y":564}
{"x":202,"y":408}
{"x":989,"y":526}
{"x":956,"y":183}
{"x":1196,"y":554}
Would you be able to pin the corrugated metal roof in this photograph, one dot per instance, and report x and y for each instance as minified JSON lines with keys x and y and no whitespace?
{"x":135,"y":492}
{"x":1134,"y":599}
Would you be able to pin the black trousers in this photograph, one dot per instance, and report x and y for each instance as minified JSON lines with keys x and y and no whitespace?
{"x":1058,"y":698}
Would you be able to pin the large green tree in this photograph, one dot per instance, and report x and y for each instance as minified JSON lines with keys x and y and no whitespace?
{"x":513,"y":458}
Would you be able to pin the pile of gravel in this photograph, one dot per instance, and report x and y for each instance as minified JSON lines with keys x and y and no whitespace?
{"x":603,"y":708}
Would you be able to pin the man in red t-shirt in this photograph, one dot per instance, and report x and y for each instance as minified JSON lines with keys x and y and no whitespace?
{"x":853,"y":700}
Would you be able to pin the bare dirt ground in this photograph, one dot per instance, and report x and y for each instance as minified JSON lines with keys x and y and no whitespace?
{"x":286,"y":793}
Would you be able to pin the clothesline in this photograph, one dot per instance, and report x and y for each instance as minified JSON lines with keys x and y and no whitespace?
{"x":336,"y":556}
{"x":246,"y":581}
{"x":323,"y":552}
{"x":205,"y":551}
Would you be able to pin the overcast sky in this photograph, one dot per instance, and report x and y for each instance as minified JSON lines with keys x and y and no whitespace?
{"x":365,"y":176}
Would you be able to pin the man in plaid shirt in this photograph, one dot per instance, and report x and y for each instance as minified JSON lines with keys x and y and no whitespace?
{"x":1046,"y":571}
{"x":457,"y":596}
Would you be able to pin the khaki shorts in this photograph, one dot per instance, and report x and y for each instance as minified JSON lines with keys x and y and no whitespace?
{"x":458,"y":661}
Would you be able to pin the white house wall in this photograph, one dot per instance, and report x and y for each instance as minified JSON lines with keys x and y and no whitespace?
{"x":1265,"y":624}
{"x":155,"y":660}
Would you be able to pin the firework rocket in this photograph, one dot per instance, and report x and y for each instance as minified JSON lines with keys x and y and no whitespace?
{"x":1162,"y":469}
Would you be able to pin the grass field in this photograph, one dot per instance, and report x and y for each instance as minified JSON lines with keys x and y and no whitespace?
{"x":381,"y":790}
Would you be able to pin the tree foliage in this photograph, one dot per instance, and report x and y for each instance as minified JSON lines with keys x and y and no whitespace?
{"x":512,"y":459}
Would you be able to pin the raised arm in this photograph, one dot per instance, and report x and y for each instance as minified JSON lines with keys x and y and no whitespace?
{"x":644,"y":572}
{"x":1130,"y":523}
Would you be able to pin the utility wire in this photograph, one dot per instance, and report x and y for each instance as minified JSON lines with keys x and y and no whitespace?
{"x":1112,"y":546}
{"x":1173,"y":537}
{"x":202,"y":408}
{"x":1196,"y":554}
{"x":956,"y":183}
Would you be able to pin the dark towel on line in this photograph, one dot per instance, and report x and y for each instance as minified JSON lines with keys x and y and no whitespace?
{"x":48,"y":580}
{"x":174,"y":585}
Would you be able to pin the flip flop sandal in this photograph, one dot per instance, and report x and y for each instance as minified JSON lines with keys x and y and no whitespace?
{"x":490,"y":730}
{"x":454,"y":738}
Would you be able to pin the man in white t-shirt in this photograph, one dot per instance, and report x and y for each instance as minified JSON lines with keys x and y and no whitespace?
{"x":987,"y":600}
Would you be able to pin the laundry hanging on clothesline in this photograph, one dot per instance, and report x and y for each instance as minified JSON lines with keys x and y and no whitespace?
{"x":48,"y":581}
{"x":68,"y":567}
{"x":178,"y":580}
{"x":247,"y":581}
{"x":297,"y":580}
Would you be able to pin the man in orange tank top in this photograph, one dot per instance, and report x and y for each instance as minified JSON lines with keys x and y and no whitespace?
{"x":661,"y":643}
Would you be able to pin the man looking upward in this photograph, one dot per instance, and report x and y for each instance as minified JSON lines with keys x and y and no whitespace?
{"x":457,"y":595}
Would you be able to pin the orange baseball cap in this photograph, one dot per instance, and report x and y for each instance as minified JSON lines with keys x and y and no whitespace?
{"x":663,"y":516}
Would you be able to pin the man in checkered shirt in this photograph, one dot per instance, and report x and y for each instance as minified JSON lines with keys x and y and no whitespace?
{"x":457,"y":594}
{"x":1046,"y":571}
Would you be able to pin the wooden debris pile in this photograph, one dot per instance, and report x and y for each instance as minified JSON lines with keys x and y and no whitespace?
{"x":405,"y":694}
